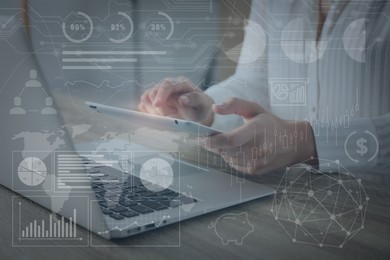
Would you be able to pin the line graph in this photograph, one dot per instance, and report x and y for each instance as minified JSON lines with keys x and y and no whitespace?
{"x":106,"y":84}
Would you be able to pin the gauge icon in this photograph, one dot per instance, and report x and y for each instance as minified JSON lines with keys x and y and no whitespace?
{"x":78,"y":30}
{"x":123,"y":32}
{"x":161,"y":26}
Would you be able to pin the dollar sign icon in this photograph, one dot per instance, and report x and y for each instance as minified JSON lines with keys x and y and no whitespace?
{"x":362,"y":147}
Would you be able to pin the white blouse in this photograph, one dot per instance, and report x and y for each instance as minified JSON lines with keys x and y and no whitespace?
{"x":340,"y":85}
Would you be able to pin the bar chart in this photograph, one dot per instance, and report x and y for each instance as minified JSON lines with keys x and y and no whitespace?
{"x":54,"y":229}
{"x":298,"y":95}
{"x":47,"y":228}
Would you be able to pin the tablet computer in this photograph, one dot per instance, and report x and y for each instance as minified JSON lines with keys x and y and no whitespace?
{"x":153,"y":121}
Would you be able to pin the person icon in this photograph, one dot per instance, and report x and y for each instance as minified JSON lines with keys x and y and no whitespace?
{"x":33,"y":82}
{"x":49,"y":109}
{"x":17,"y":110}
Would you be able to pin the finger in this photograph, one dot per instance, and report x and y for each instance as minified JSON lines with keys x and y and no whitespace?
{"x":166,"y":111}
{"x":144,"y":96}
{"x":253,"y":167}
{"x":193,"y":106}
{"x":152,"y":93}
{"x":148,"y":108}
{"x":167,"y":88}
{"x":247,"y":169}
{"x":240,"y":158}
{"x":192,"y":99}
{"x":216,"y":151}
{"x":147,"y":104}
{"x":239,"y":107}
{"x":235,"y":138}
{"x":205,"y":143}
{"x":142,"y":108}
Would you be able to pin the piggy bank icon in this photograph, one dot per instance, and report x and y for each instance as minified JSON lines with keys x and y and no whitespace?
{"x":232,"y":227}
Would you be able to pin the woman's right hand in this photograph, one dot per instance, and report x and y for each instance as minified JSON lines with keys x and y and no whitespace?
{"x":178,"y":98}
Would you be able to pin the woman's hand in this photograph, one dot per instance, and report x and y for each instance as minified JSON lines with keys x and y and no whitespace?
{"x":178,"y":98}
{"x":264,"y":143}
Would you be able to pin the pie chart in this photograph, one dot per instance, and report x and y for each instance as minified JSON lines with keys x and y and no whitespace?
{"x":280,"y":91}
{"x":32,"y":171}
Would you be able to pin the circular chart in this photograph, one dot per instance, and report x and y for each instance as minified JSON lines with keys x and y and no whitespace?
{"x":156,"y":174}
{"x":249,"y":53}
{"x":124,"y":30}
{"x":354,"y":40}
{"x":79,"y":29}
{"x":280,"y":91}
{"x":32,"y":171}
{"x":161,"y":26}
{"x":298,"y":45}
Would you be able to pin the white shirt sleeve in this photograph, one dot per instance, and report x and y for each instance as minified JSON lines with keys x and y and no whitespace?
{"x":342,"y":144}
{"x":250,"y":82}
{"x":250,"y":79}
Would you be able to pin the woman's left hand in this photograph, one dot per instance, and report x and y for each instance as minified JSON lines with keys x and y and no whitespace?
{"x":264,"y":142}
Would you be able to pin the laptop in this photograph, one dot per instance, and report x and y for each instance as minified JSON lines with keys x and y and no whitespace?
{"x":124,"y":193}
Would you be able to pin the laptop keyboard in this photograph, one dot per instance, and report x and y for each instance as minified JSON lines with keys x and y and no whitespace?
{"x":128,"y":198}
